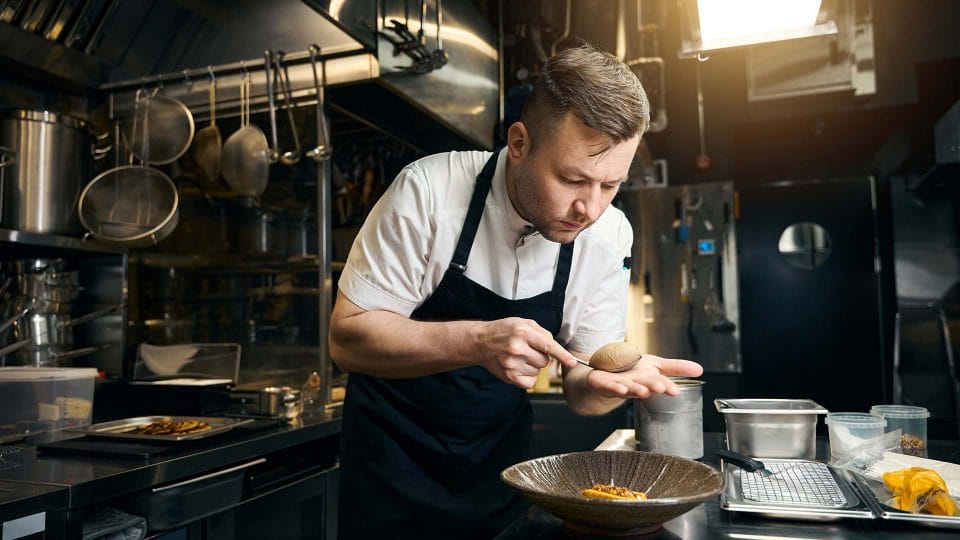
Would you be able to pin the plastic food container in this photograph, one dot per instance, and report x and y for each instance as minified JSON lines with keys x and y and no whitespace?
{"x":34,"y":399}
{"x":912,"y":423}
{"x":771,"y":428}
{"x":856,"y":439}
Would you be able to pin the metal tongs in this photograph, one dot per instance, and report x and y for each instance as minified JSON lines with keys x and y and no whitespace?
{"x":752,"y":465}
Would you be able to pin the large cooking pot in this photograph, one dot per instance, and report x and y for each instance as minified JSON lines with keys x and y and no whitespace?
{"x":43,"y":183}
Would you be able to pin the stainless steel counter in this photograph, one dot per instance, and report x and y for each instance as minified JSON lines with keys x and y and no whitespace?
{"x":91,"y":479}
{"x":708,"y":521}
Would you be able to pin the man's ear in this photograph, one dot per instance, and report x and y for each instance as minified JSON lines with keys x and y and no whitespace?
{"x":518,"y":141}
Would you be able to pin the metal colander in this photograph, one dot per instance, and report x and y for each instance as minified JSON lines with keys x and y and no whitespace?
{"x":133,"y":205}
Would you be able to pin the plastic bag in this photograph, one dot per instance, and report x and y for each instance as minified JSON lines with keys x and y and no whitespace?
{"x":918,"y":489}
{"x":861,"y":456}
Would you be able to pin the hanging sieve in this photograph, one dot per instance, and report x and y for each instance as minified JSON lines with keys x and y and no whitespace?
{"x":159,"y":129}
{"x":133,"y":205}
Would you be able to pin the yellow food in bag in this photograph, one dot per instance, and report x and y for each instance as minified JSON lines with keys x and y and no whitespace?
{"x":919,"y":489}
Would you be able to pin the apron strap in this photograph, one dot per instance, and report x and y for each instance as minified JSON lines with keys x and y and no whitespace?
{"x":563,"y":268}
{"x":474,"y":212}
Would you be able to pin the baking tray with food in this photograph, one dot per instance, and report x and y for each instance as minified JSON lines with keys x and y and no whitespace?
{"x":163,"y":428}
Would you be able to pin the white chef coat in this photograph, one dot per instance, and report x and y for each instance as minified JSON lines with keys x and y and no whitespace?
{"x":408,"y":239}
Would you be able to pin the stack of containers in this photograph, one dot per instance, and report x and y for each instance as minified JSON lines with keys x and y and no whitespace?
{"x":47,"y":293}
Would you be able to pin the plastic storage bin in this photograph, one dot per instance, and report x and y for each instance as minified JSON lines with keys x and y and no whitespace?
{"x":856,"y":439}
{"x":34,"y":399}
{"x":912,"y":423}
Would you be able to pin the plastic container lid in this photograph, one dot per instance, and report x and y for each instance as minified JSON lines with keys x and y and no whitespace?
{"x":901,"y":412}
{"x":45,"y":373}
{"x":856,"y":420}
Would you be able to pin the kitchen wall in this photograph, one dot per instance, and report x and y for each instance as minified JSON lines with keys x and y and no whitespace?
{"x":887,"y":134}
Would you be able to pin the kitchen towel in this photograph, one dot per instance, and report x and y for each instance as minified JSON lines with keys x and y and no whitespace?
{"x":113,"y":524}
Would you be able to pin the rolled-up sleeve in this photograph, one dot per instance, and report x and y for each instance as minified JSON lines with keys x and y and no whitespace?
{"x":387,"y":262}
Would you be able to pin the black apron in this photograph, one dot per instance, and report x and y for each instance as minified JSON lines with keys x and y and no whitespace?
{"x":421,"y":457}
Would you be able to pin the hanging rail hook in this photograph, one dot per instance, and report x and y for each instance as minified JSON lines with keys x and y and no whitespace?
{"x":186,"y":79}
{"x":213,"y":77}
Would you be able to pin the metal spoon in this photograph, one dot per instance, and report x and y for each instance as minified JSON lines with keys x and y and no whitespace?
{"x":621,"y":369}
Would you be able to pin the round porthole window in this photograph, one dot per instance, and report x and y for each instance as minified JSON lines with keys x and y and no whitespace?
{"x":805,"y":245}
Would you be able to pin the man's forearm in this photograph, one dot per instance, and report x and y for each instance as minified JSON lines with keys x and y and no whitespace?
{"x":388,"y":345}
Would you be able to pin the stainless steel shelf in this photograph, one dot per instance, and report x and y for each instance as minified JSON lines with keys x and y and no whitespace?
{"x":58,"y":242}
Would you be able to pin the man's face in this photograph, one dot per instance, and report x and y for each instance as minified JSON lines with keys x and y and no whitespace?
{"x":564,"y":185}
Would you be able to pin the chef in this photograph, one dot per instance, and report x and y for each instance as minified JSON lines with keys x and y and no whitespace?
{"x":470,"y":274}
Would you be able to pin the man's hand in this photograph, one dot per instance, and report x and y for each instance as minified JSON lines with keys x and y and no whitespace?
{"x":651,"y":375}
{"x":515,"y":350}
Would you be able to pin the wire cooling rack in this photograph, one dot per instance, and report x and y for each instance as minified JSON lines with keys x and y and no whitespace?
{"x":806,"y":483}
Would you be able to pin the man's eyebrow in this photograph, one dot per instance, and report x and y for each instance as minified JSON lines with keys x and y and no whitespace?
{"x":576,"y":173}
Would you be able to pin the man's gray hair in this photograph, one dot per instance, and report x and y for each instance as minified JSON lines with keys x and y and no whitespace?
{"x":601,"y":91}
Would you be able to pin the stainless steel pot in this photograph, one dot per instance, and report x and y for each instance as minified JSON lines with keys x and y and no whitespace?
{"x":281,"y":402}
{"x":54,"y":329}
{"x":258,"y":232}
{"x":59,"y":287}
{"x":53,"y":161}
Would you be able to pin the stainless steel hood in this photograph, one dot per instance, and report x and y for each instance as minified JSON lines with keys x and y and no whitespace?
{"x":88,"y":47}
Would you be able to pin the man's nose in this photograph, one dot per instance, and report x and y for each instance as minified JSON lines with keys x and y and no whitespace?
{"x":590,"y":203}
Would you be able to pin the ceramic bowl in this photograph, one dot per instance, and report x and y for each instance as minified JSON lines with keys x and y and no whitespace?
{"x":673,"y":485}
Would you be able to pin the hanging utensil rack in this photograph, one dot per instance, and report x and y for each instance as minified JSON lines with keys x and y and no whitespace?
{"x":340,"y":68}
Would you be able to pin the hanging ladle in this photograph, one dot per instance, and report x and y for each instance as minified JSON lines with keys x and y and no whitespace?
{"x":323,"y":150}
{"x":279,"y":75}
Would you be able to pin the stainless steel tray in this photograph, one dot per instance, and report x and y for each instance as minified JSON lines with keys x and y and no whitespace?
{"x":116,"y":429}
{"x":841,"y":500}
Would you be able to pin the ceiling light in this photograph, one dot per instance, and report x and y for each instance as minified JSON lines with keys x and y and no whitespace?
{"x":723,"y":24}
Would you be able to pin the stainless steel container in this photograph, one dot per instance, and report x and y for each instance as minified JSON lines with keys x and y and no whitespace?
{"x":672,"y":424}
{"x":771,"y":428}
{"x":257,"y":232}
{"x":42,"y":185}
{"x":281,"y":402}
